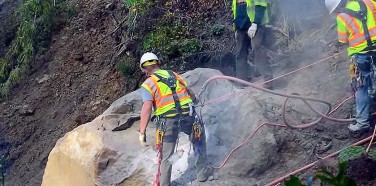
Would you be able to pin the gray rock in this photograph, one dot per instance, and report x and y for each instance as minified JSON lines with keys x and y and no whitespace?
{"x":26,"y":110}
{"x":43,"y":79}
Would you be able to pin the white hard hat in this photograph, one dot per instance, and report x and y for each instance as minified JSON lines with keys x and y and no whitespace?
{"x":331,"y":5}
{"x":150,"y":58}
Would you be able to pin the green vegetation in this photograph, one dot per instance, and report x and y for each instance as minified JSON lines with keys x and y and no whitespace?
{"x":351,"y":153}
{"x":141,"y":6}
{"x":36,"y":19}
{"x":171,"y":43}
{"x":293,"y":181}
{"x":218,"y":30}
{"x":340,"y":179}
{"x":160,"y":30}
{"x":125,"y":66}
{"x":325,"y":177}
{"x":372,"y":154}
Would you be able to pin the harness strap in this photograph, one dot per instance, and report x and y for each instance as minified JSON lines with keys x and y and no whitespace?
{"x":361,"y":15}
{"x":171,"y":83}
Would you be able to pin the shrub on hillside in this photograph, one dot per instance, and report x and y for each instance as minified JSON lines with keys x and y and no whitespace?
{"x":36,"y":19}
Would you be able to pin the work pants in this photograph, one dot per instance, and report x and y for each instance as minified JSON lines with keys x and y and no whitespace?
{"x":245,"y":47}
{"x":362,"y":94}
{"x":169,"y":142}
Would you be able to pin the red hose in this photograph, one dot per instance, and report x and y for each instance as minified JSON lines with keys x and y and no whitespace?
{"x":158,"y":173}
{"x":295,"y":96}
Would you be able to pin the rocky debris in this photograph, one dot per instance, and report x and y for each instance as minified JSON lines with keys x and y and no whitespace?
{"x":81,"y":119}
{"x":25,"y":110}
{"x":323,"y":147}
{"x":45,"y":77}
{"x":78,"y":56}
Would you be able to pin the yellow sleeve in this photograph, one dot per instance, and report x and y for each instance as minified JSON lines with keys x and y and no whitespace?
{"x":342,"y":30}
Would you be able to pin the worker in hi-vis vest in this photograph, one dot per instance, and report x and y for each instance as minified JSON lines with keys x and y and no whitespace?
{"x":168,"y":94}
{"x":249,"y":20}
{"x":356,"y":27}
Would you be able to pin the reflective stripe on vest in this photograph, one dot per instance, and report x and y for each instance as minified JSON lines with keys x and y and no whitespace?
{"x":371,"y":6}
{"x":355,"y":35}
{"x":342,"y":37}
{"x":356,"y":31}
{"x":162,"y":94}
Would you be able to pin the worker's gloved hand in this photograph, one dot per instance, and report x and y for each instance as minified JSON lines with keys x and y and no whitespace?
{"x":142,"y":139}
{"x":252,"y":30}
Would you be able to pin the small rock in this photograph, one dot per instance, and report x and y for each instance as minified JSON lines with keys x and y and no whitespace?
{"x":111,"y":6}
{"x":55,"y":114}
{"x":82,"y":119}
{"x":319,"y":128}
{"x":43,"y":79}
{"x":25,"y":110}
{"x":78,"y":57}
{"x":324,"y":147}
{"x":340,"y":136}
{"x":326,"y":138}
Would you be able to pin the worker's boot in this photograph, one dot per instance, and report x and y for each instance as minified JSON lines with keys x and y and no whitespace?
{"x":204,"y":174}
{"x":357,"y":131}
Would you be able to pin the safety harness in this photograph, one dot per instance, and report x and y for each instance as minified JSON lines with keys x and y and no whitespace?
{"x":171,"y":83}
{"x":361,"y":15}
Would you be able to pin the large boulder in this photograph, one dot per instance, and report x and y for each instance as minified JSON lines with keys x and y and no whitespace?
{"x":93,"y":154}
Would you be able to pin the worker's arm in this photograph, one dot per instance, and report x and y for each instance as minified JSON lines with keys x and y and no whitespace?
{"x":145,"y":115}
{"x":259,"y":16}
{"x":342,"y":29}
{"x":146,"y":110}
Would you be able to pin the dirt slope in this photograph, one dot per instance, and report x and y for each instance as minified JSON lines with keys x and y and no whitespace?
{"x":80,"y":82}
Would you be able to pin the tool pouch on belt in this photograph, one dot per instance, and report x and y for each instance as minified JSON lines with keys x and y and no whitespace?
{"x":160,"y":133}
{"x":354,"y":76}
{"x":196,"y":130}
{"x":359,"y":70}
{"x":197,"y":135}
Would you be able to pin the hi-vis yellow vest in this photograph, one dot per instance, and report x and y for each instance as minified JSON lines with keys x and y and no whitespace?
{"x":162,"y":94}
{"x":251,"y":9}
{"x":350,"y":30}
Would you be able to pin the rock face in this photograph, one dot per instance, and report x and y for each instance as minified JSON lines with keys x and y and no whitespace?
{"x":92,"y":154}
